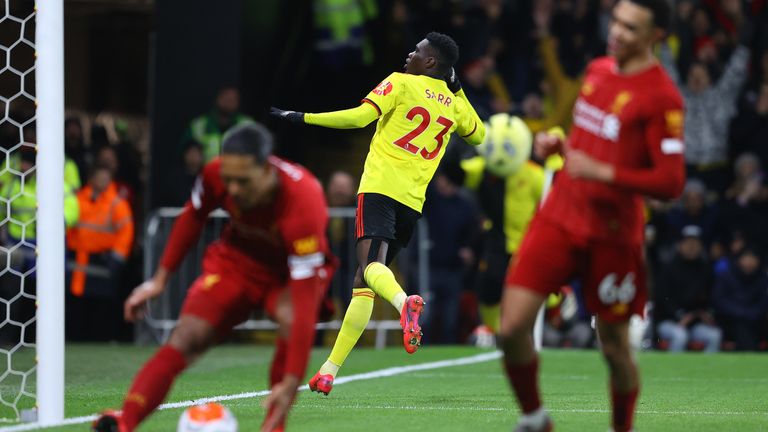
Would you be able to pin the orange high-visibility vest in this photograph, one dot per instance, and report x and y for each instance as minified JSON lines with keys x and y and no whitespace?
{"x":105,"y":224}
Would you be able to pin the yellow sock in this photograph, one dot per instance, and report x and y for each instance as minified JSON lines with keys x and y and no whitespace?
{"x":357,"y":317}
{"x":382,"y":281}
{"x":329,"y":368}
{"x":491,"y":315}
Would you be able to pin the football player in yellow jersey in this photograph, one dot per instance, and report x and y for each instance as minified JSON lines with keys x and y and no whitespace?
{"x":509,"y":188}
{"x":416,"y":111}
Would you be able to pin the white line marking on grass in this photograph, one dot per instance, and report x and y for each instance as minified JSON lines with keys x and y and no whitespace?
{"x":513,"y":407}
{"x":399,"y":370}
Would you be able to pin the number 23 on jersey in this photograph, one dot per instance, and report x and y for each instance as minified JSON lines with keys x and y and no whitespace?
{"x":405,"y":141}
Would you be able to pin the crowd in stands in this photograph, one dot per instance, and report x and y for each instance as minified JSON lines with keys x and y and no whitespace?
{"x":101,"y":186}
{"x":707,"y":251}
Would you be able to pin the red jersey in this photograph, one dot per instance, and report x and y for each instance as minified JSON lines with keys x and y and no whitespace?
{"x":635,"y":123}
{"x":285,"y":240}
{"x":278,"y":236}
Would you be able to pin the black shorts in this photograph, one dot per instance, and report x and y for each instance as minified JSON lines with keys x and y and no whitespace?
{"x":379,"y":216}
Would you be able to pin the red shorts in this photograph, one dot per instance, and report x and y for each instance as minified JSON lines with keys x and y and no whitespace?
{"x":231,"y":286}
{"x":612,"y":275}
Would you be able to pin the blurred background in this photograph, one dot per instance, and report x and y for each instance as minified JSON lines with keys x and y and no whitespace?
{"x":151,"y":86}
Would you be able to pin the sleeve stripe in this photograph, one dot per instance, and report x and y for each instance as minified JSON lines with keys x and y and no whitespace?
{"x":303,"y":266}
{"x":473,"y":131}
{"x":372,"y":103}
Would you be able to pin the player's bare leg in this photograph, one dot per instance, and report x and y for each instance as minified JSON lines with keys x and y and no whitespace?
{"x":625,"y":381}
{"x":372,"y":254}
{"x":189,"y":340}
{"x":519,"y":307}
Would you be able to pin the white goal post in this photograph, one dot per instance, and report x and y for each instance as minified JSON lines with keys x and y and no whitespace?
{"x":49,"y":69}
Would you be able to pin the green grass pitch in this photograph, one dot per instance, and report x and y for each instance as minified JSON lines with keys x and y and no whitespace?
{"x":693,"y":392}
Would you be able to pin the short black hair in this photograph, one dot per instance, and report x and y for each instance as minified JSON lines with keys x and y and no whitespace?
{"x":659,"y":9}
{"x":446,"y":49}
{"x":250,"y":139}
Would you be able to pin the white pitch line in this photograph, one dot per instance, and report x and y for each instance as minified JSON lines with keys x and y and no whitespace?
{"x":512,"y":407}
{"x":479,"y":358}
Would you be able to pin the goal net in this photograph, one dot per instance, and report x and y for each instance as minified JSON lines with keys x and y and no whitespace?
{"x":31,"y":211}
{"x":17,"y":209}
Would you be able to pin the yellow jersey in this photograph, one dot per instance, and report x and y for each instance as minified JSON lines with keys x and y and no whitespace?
{"x":417,"y":115}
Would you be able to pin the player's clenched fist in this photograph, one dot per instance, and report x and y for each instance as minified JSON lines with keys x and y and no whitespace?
{"x":291,"y":116}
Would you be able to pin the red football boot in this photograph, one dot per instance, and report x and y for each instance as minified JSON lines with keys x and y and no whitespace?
{"x":409,"y":321}
{"x":321,"y":383}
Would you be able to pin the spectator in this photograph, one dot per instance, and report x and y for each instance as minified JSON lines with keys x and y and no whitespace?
{"x":709,"y":111}
{"x":484,"y":87}
{"x":106,"y":157}
{"x":74,"y":145}
{"x":692,"y":209}
{"x":749,"y":132}
{"x":452,"y":220}
{"x":745,"y":208}
{"x":21,"y":192}
{"x":176,"y":193}
{"x":19,"y":236}
{"x":683,"y":297}
{"x":341,"y":192}
{"x":740,"y":298}
{"x":208,"y":129}
{"x":563,"y":88}
{"x":98,"y":248}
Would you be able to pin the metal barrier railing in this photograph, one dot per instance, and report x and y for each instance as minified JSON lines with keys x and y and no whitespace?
{"x":163,"y":311}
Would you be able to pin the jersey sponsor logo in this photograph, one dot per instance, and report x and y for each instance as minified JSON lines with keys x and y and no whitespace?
{"x":306,"y":245}
{"x":674,"y":120}
{"x":621,"y":100}
{"x":596,"y":121}
{"x":305,"y":266}
{"x":383,"y":89}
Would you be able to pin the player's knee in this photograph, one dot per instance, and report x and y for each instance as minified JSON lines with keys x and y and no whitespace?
{"x":616,"y":353}
{"x":191,"y":338}
{"x":512,"y":329}
{"x":358,"y":281}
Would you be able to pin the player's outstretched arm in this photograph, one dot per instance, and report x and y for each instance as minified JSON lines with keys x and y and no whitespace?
{"x":353,"y":118}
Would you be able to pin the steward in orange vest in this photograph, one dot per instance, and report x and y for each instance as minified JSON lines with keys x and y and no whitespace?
{"x":104,"y":231}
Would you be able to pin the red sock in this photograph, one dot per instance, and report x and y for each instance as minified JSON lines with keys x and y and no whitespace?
{"x":525,"y":383}
{"x":151,"y":385}
{"x":623,"y":409}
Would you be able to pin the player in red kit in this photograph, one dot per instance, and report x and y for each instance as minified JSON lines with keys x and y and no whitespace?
{"x":273,"y":254}
{"x":625,"y":143}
